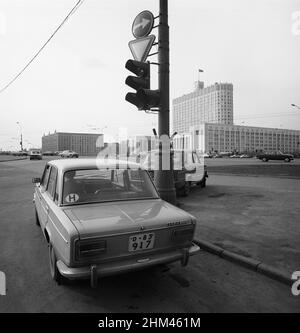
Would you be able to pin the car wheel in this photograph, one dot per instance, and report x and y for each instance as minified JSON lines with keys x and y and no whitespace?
{"x":265,"y":160}
{"x":203,"y":183}
{"x":56,"y":276}
{"x":287,"y":159}
{"x":186,"y":189}
{"x":37,"y":221}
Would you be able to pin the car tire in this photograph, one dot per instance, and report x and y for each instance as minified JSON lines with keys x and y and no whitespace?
{"x":54,"y":272}
{"x":203,"y":183}
{"x":37,"y":221}
{"x":186,"y":189}
{"x":287,"y":159}
{"x":265,"y":159}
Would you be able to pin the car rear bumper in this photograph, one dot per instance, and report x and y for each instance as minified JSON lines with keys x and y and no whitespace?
{"x":125,"y":266}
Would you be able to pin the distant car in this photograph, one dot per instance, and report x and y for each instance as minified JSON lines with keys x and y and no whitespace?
{"x":69,"y":154}
{"x":35,"y":155}
{"x":104,"y":217}
{"x":276,"y":156}
{"x":234,"y":156}
{"x":20,"y":153}
{"x":245,"y":156}
{"x":48,"y":153}
{"x":188,"y":169}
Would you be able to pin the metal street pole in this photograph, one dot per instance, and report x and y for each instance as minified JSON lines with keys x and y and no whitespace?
{"x":21,"y":141}
{"x":164,"y":179}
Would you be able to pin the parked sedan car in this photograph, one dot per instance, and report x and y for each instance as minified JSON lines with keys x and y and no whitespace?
{"x":279,"y":156}
{"x":20,"y":153}
{"x":35,"y":155}
{"x":48,"y":153}
{"x":188,"y":168}
{"x":103,"y":217}
{"x":68,"y":154}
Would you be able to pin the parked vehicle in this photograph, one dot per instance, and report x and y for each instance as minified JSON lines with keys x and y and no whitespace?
{"x":20,"y":153}
{"x":205,"y":155}
{"x":187,"y":166}
{"x":48,"y":153}
{"x":106,"y":217}
{"x":35,"y":155}
{"x":279,"y":156}
{"x":69,"y":154}
{"x":245,"y":156}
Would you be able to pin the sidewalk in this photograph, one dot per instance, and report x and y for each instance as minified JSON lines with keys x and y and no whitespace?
{"x":254,"y":217}
{"x":9,"y":158}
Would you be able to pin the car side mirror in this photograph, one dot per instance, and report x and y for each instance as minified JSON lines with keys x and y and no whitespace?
{"x":36,"y":180}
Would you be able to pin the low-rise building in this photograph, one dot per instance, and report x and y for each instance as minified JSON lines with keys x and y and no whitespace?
{"x":85,"y":144}
{"x":209,"y":137}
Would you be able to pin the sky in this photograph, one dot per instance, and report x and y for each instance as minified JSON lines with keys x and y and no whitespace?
{"x":77,"y":84}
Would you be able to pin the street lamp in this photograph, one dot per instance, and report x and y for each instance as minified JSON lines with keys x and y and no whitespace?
{"x":295,"y":106}
{"x":21,"y":140}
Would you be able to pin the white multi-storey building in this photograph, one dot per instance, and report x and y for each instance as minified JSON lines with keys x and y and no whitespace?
{"x":206,"y":118}
{"x":213,"y":104}
{"x":228,"y":138}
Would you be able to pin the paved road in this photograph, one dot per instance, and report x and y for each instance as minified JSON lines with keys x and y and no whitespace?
{"x":208,"y":284}
{"x":257,"y":217}
{"x":254,"y":167}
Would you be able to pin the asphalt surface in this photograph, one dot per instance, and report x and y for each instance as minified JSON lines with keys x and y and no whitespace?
{"x":254,"y":167}
{"x":257,"y":217}
{"x":207,"y":284}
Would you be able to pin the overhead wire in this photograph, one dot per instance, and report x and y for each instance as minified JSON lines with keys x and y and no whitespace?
{"x":72,"y":11}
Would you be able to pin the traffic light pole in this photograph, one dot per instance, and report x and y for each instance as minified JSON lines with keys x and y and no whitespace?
{"x":164,"y":179}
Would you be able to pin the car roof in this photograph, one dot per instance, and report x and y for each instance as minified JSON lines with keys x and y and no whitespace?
{"x":93,"y":163}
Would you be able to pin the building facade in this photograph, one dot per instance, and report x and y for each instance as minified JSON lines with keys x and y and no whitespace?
{"x":85,"y":144}
{"x":205,"y":117}
{"x":219,"y":138}
{"x":213,"y":104}
{"x":248,"y":139}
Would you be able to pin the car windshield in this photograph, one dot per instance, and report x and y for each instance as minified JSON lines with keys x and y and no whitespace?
{"x":100,"y":185}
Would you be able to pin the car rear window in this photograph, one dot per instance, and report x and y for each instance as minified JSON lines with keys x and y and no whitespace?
{"x":100,"y":185}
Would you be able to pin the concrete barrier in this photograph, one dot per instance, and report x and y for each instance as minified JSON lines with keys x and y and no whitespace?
{"x":250,"y":263}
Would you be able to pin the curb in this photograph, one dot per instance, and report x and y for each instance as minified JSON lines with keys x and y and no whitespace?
{"x":15,"y":159}
{"x":250,"y":263}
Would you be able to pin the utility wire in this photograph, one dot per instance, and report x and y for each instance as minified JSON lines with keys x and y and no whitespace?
{"x":73,"y":10}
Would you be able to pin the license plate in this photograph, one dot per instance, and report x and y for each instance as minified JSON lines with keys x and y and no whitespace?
{"x":141,"y":242}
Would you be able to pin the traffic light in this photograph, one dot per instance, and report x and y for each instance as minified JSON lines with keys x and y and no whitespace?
{"x":144,"y":98}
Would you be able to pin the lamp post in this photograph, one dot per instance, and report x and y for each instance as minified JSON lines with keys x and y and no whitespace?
{"x":295,"y":106}
{"x":21,"y":137}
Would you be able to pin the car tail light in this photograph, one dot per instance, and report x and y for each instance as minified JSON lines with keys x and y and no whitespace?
{"x":90,"y":249}
{"x":183,"y":234}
